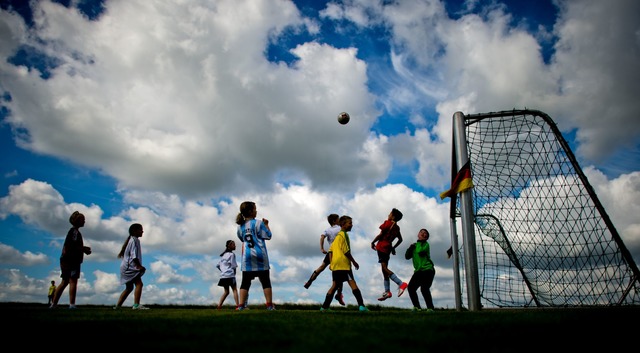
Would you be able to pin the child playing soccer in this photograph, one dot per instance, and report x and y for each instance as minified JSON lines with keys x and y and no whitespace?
{"x":424,"y":271}
{"x":253,"y":233}
{"x":341,"y":260}
{"x":383,"y":244}
{"x":227,"y":266}
{"x":329,"y":234}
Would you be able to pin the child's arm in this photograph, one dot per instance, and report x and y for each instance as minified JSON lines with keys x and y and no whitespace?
{"x":322,"y":236}
{"x":375,"y":240}
{"x":393,"y":250}
{"x":353,"y":261}
{"x":409,"y":253}
{"x":138,"y":265}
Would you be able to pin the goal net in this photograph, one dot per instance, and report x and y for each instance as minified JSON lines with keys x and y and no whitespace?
{"x":542,"y":237}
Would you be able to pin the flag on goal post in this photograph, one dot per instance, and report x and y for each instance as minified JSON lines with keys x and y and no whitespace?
{"x":460,"y":183}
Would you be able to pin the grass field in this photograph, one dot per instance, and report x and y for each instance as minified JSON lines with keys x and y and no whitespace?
{"x":305,"y":329}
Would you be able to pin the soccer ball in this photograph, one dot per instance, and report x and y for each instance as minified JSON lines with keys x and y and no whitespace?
{"x":343,"y":118}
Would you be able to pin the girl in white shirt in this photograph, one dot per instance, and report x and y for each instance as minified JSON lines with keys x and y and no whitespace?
{"x":227,"y":266}
{"x":131,"y":269}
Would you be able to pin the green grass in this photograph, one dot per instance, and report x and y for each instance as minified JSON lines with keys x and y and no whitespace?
{"x":295,"y":328}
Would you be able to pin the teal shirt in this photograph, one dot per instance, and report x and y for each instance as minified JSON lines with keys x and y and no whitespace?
{"x":421,"y":256}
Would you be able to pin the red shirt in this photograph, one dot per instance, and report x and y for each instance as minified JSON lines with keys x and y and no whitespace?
{"x":390,"y":231}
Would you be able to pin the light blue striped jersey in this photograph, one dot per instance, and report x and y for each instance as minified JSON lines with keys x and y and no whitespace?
{"x":253,"y":234}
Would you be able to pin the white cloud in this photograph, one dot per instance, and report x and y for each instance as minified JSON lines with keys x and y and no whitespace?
{"x":191,"y":107}
{"x":9,"y":255}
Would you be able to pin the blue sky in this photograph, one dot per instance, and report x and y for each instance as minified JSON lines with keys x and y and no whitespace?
{"x":171,"y":115}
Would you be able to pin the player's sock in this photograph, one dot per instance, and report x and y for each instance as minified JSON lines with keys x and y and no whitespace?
{"x":395,"y":279}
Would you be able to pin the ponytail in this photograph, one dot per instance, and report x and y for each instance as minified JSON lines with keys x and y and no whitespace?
{"x":245,"y":211}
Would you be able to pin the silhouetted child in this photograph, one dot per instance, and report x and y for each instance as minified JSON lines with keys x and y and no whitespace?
{"x":52,"y":290}
{"x":253,"y":233}
{"x":329,"y":234}
{"x":73,"y":252}
{"x":131,"y":269}
{"x":341,"y":260}
{"x":227,"y":266}
{"x":424,"y":271}
{"x":383,"y":244}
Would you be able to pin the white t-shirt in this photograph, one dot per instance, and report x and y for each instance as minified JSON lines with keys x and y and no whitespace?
{"x":227,"y":265}
{"x":128,"y":269}
{"x":330,"y":234}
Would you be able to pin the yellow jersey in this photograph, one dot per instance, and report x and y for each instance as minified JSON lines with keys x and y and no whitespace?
{"x":339,"y":248}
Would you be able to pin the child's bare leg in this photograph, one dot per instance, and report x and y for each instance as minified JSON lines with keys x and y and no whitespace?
{"x":235,"y":295}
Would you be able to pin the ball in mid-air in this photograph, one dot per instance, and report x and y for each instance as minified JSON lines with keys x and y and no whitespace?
{"x":343,"y":118}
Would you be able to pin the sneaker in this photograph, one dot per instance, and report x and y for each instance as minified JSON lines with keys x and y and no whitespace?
{"x":340,"y":299}
{"x":363,"y":308}
{"x":415,"y":310}
{"x":403,"y":286}
{"x":385,"y":296}
{"x":73,"y":307}
{"x":324,"y":310}
{"x":139,"y":307}
{"x":53,"y":306}
{"x":429,"y":310}
{"x":271,"y":308}
{"x":242,"y":307}
{"x":116,"y":307}
{"x":307,"y":285}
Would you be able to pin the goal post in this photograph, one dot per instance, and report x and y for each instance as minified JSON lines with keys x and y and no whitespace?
{"x":534,"y":232}
{"x":461,"y":158}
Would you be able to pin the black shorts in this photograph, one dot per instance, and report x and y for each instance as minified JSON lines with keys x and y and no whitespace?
{"x":227,"y":282}
{"x":383,"y":256}
{"x":248,"y":276}
{"x":341,"y":276}
{"x":327,"y":260}
{"x":70,"y":271}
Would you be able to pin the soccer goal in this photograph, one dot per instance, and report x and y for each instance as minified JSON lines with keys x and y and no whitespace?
{"x":534,"y":233}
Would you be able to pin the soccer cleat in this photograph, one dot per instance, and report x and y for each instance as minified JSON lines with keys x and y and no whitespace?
{"x":363,"y":308}
{"x":429,"y":310}
{"x":53,"y":306}
{"x":385,"y":296}
{"x":271,"y":308}
{"x":415,"y":310}
{"x":403,"y":286}
{"x":340,"y":299}
{"x":139,"y":307}
{"x":73,"y":307}
{"x":324,"y":310}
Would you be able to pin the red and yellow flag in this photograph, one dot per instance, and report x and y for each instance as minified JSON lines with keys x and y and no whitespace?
{"x":461,"y":182}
